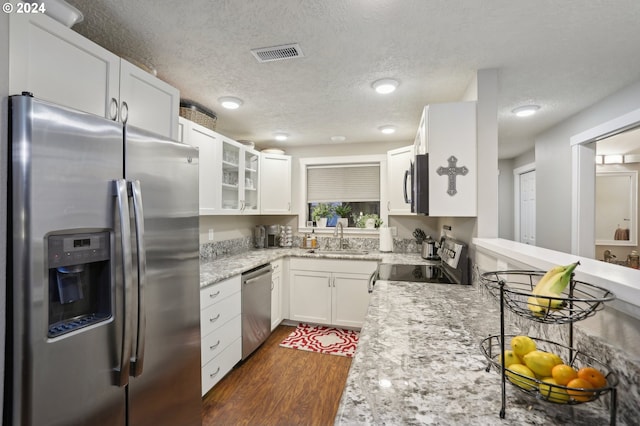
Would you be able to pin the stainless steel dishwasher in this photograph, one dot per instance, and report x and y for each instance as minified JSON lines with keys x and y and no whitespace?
{"x":256,"y":308}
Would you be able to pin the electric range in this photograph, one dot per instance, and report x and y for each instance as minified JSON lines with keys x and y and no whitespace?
{"x":452,"y":268}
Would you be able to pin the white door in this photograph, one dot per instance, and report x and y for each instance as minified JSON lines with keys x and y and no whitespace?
{"x":528,"y":207}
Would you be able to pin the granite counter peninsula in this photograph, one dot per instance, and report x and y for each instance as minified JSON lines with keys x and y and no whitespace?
{"x":419,"y":362}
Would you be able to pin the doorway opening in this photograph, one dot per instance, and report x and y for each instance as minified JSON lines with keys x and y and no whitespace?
{"x":525,"y":204}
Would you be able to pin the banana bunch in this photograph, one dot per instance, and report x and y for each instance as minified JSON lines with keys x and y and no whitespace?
{"x":549,"y":289}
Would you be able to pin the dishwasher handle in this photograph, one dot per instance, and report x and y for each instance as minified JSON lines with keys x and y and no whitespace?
{"x":255,"y":273}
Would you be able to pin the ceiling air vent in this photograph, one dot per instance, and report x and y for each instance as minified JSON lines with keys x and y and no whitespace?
{"x":277,"y":53}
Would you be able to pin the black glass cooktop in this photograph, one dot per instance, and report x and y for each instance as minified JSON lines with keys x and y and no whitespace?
{"x":415,"y":273}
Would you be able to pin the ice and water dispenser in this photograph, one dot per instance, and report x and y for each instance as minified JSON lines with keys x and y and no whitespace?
{"x":79,"y":281}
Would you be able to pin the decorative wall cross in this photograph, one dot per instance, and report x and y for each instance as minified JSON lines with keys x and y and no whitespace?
{"x":452,"y":171}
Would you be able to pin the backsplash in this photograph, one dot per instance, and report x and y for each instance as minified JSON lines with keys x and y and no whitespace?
{"x":238,"y":245}
{"x":225,"y":247}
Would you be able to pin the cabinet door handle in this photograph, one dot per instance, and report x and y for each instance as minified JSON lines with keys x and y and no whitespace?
{"x":215,"y":373}
{"x":124,"y":113}
{"x":388,"y":206}
{"x":214,"y":319}
{"x":214,"y":295}
{"x":289,"y":206}
{"x":113,"y":109}
{"x":212,"y":347}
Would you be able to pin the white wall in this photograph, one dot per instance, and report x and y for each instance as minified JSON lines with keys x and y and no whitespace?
{"x":553,"y":166}
{"x":487,"y":226}
{"x":505,"y":199}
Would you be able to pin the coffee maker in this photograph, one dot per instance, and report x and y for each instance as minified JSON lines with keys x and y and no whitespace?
{"x":273,"y":236}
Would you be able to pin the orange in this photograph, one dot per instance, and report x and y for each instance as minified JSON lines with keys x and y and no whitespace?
{"x":577,"y":390}
{"x":593,"y":376}
{"x":563,"y":374}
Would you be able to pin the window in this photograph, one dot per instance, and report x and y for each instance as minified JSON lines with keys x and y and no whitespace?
{"x":342,"y":181}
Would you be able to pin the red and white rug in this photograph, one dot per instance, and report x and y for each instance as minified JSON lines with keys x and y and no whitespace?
{"x":326,"y":340}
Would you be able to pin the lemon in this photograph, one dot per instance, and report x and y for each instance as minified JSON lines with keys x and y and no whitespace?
{"x":550,"y":390}
{"x":541,"y":362}
{"x":509,"y":358}
{"x":522,"y":345}
{"x":522,"y":382}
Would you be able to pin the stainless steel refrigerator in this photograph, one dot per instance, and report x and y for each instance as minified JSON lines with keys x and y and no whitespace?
{"x":103,"y":278}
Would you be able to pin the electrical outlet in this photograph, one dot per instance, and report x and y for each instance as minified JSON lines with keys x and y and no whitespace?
{"x":210,"y":234}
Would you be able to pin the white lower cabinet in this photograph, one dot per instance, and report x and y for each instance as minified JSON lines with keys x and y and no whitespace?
{"x":220,"y":330}
{"x":276,"y":292}
{"x":331,"y":292}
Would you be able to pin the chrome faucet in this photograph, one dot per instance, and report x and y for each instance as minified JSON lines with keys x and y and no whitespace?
{"x":335,"y":234}
{"x":608,"y":256}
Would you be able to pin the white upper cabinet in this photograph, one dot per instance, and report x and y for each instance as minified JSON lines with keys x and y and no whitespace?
{"x":209,"y":172}
{"x":447,"y":132}
{"x":240,"y":179}
{"x":275,"y":184}
{"x":398,"y":166}
{"x":229,"y":171}
{"x":149,"y":102}
{"x":59,"y":65}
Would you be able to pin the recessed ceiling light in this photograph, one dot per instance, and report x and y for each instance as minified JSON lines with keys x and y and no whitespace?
{"x":385,"y":85}
{"x":229,"y":102}
{"x":387,"y":130}
{"x":338,"y":138}
{"x":526,"y":110}
{"x":281,"y":136}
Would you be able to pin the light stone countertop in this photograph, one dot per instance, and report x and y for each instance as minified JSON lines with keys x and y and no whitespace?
{"x":212,"y":271}
{"x":419,"y":362}
{"x":419,"y":359}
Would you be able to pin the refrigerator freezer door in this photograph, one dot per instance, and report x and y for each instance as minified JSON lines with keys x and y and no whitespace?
{"x":168,"y":389}
{"x":63,"y":166}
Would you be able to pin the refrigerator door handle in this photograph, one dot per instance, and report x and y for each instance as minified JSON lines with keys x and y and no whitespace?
{"x":122,"y":371}
{"x":138,"y":213}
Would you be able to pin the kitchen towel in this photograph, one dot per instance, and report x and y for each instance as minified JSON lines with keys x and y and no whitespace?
{"x":386,"y":240}
{"x":621,"y":234}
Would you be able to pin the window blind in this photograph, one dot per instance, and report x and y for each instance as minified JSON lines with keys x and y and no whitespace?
{"x":349,"y":182}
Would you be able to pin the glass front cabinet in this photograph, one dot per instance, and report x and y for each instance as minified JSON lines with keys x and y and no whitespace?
{"x":240,"y":178}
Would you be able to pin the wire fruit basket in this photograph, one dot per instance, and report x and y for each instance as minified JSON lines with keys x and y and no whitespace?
{"x":553,"y":393}
{"x":580,"y":300}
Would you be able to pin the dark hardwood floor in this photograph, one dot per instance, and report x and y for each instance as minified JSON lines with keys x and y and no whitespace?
{"x":278,"y":386}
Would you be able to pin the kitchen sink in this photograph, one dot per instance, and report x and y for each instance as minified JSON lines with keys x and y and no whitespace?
{"x":346,"y":251}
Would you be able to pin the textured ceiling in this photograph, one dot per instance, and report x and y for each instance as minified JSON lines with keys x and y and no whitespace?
{"x":564,"y":55}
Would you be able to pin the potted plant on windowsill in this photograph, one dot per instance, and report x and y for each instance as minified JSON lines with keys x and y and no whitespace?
{"x":369,"y":221}
{"x":321,"y":213}
{"x":343,"y":211}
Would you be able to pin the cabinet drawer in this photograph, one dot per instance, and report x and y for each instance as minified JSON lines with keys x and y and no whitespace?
{"x":216,"y":369}
{"x":218,"y":340}
{"x":216,"y":315}
{"x":212,"y":294}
